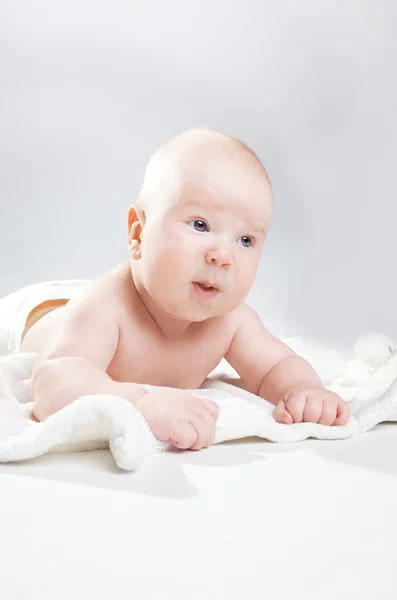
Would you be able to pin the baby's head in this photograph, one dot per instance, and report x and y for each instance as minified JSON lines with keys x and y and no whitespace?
{"x":197,"y":232}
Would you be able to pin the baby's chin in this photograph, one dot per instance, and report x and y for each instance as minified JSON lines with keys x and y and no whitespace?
{"x":194,"y":308}
{"x":195,"y":314}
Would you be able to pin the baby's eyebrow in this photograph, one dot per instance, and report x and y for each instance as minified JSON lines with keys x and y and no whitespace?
{"x":258,"y":228}
{"x":186,"y":201}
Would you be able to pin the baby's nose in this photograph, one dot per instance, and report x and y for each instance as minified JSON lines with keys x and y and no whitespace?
{"x":221,"y":258}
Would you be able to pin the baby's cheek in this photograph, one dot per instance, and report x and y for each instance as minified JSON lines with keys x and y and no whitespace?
{"x":175,"y":263}
{"x":244,"y":281}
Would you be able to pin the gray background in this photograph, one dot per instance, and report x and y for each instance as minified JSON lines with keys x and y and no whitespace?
{"x":89,"y":89}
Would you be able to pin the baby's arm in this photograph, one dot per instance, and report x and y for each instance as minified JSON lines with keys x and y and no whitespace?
{"x":273,"y":371}
{"x":74,"y":364}
{"x":75,"y":360}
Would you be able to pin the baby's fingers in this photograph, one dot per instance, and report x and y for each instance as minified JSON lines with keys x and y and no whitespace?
{"x":281,"y":414}
{"x":313,"y":409}
{"x":211,"y":407}
{"x":183,"y":435}
{"x":343,"y":413}
{"x":329,"y":411}
{"x":204,"y":432}
{"x":295,"y":405}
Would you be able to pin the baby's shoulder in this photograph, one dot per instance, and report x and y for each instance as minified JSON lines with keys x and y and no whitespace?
{"x":234,"y":320}
{"x":241,"y":320}
{"x":242,"y":314}
{"x":103,"y":295}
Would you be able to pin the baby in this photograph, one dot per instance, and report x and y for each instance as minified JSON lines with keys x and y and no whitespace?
{"x":175,"y":308}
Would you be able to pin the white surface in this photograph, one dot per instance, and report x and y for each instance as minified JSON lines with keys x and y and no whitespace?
{"x":98,"y":420}
{"x":251,"y":519}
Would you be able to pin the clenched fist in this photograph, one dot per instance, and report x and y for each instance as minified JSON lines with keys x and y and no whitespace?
{"x":312,"y":404}
{"x":177,"y":417}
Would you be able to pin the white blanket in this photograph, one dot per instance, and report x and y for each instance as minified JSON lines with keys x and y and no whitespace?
{"x":368,"y":383}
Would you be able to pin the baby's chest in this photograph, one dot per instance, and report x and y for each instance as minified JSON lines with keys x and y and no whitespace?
{"x":183,"y":364}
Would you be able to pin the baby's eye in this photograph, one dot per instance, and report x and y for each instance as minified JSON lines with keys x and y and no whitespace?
{"x":198,"y":225}
{"x":245,"y":241}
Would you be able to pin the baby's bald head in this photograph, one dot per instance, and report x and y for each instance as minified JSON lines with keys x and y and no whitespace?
{"x":203,"y":214}
{"x":192,"y":158}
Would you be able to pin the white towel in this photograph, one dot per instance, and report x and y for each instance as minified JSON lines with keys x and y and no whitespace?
{"x":101,"y":420}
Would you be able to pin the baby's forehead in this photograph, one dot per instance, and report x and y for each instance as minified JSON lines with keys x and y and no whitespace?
{"x":224,"y":187}
{"x":250,"y":204}
{"x":210,"y":170}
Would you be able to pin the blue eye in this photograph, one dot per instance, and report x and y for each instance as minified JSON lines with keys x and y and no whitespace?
{"x":199,"y":225}
{"x":246,"y":241}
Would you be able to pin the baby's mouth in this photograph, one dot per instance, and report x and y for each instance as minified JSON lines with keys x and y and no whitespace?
{"x":205,"y":287}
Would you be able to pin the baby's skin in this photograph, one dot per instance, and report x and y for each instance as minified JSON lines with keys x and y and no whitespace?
{"x":175,"y":308}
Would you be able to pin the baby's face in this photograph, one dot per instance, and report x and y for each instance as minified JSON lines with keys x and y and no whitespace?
{"x":200,"y":251}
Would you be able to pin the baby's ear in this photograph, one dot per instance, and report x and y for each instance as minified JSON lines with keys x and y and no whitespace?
{"x":135,"y":222}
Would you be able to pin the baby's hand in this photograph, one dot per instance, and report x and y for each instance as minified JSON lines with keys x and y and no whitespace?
{"x":314,"y":405}
{"x":177,"y":417}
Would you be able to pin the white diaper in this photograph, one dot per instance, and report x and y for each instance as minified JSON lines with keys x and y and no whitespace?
{"x":16,"y":307}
